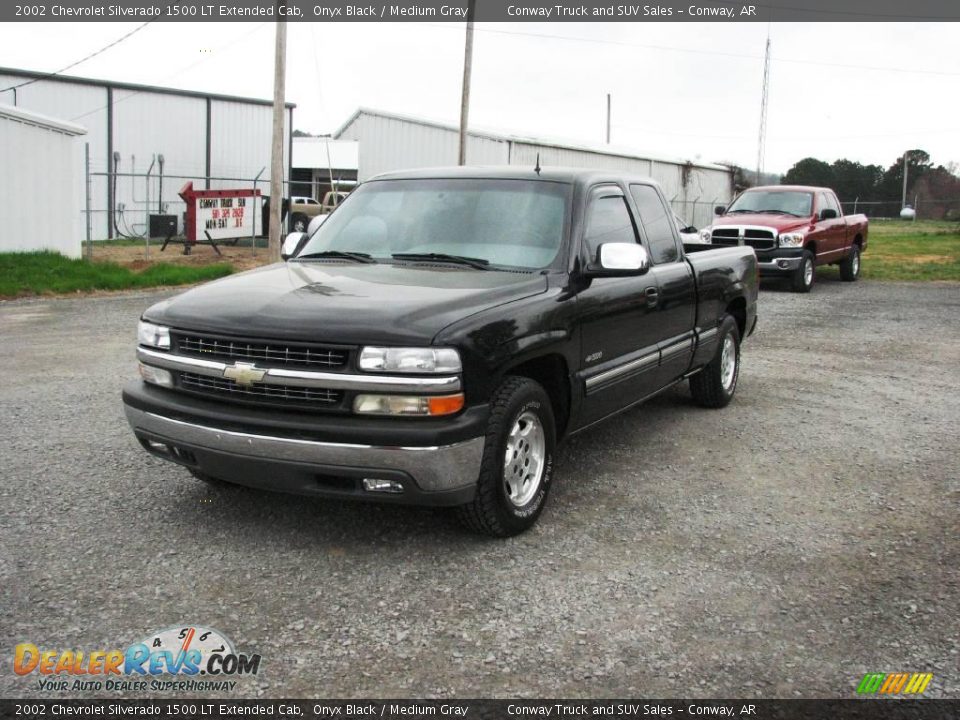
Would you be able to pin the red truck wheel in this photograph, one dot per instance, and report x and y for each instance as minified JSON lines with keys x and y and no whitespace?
{"x":805,"y":275}
{"x":850,"y":266}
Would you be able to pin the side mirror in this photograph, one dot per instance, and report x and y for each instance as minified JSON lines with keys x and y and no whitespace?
{"x":292,"y":244}
{"x":828,"y":214}
{"x":620,"y":260}
{"x":719,"y":210}
{"x":689,"y":230}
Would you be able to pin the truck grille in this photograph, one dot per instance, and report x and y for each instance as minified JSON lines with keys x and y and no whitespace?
{"x":757,"y":238}
{"x":266,"y":354}
{"x":259,"y":391}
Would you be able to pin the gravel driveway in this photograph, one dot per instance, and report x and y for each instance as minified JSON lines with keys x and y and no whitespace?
{"x":781,"y":547}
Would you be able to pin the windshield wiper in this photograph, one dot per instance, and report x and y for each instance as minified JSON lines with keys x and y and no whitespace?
{"x":731,"y":212}
{"x":476,"y":263}
{"x":785,"y":212}
{"x":355,"y":256}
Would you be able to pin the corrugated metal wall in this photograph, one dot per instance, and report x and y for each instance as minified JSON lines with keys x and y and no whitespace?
{"x":38,"y":186}
{"x":396,"y":143}
{"x":148,"y":124}
{"x":388,"y":144}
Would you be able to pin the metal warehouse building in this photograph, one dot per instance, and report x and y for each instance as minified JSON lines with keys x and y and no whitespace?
{"x":219,"y":140}
{"x":393,"y":142}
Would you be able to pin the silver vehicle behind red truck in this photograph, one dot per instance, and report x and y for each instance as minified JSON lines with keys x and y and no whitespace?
{"x":793,"y":229}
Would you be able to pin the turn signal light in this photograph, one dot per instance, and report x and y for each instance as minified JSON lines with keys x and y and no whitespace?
{"x":408,"y":404}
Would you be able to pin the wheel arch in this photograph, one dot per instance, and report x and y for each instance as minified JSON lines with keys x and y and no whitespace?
{"x":553,"y":374}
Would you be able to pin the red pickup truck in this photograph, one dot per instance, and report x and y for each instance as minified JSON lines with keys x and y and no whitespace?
{"x":792,"y":229}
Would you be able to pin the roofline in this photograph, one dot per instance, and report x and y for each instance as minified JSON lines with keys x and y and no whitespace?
{"x":53,"y":77}
{"x":525,"y":139}
{"x":40,"y":120}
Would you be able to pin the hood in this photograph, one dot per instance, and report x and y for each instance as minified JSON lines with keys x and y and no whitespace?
{"x":340,"y":303}
{"x":780,"y":223}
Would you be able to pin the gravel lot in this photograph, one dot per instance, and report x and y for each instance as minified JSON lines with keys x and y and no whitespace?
{"x":781,"y":547}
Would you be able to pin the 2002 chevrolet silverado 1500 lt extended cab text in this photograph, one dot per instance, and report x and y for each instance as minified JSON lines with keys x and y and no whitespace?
{"x":793,"y":229}
{"x":433,"y":340}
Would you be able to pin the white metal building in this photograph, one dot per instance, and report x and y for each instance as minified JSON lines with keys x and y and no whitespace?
{"x":40,"y":156}
{"x":200,"y":135}
{"x":389,"y":141}
{"x":322,"y":163}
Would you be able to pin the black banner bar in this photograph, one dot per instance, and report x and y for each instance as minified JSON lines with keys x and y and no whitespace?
{"x":486,"y":11}
{"x":200,"y":708}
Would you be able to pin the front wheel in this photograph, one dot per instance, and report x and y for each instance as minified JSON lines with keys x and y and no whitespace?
{"x":805,"y":275}
{"x":517,"y":464}
{"x":299,"y":223}
{"x":714,"y":386}
{"x":850,"y":266}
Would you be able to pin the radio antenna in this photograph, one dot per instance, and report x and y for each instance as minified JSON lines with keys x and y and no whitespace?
{"x":537,"y":168}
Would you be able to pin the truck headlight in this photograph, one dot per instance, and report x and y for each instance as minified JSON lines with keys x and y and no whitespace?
{"x":155,"y":336}
{"x":706,"y":235}
{"x":408,"y":404}
{"x":410,"y":360}
{"x":791,"y":239}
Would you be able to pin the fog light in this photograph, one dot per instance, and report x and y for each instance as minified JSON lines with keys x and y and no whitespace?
{"x":783,"y":264}
{"x":408,"y":404}
{"x":156,"y":376}
{"x":382,"y":486}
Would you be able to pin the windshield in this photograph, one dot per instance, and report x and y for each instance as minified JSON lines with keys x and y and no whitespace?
{"x":791,"y":202}
{"x":512,"y":223}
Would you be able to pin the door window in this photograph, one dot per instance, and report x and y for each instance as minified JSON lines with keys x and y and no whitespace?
{"x":608,"y":221}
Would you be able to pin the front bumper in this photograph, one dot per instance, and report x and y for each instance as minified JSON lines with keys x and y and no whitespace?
{"x":779,"y":262}
{"x":280,"y":459}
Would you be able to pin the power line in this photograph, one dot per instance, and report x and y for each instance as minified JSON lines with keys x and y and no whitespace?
{"x":692,"y":51}
{"x":81,"y":60}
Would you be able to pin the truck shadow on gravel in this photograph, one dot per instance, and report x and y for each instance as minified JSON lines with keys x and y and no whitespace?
{"x":252,"y":517}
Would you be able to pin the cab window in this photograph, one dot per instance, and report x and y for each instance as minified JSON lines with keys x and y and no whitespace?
{"x":656,"y":222}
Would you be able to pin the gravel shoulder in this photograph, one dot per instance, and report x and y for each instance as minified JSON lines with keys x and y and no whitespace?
{"x":781,"y":547}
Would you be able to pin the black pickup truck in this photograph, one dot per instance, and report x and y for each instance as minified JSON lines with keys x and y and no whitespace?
{"x":437,"y":336}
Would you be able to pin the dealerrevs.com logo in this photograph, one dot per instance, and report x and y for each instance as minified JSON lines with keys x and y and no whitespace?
{"x":169,"y":660}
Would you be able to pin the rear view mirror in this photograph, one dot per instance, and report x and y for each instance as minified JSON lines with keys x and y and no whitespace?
{"x":292,"y":244}
{"x":620,"y":260}
{"x":828,"y":214}
{"x":719,"y":210}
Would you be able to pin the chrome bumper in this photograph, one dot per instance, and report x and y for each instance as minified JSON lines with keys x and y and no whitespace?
{"x":435,"y":469}
{"x":780,"y":264}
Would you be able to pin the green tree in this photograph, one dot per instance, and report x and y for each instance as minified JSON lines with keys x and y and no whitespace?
{"x":809,"y":171}
{"x":891,"y":186}
{"x":851,"y":180}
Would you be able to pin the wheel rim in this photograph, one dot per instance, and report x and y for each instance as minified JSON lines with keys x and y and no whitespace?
{"x":299,"y":226}
{"x":728,"y":363}
{"x":523,"y":461}
{"x":855,"y":265}
{"x":807,"y":272}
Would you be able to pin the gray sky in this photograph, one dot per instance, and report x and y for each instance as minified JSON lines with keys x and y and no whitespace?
{"x":683,"y":89}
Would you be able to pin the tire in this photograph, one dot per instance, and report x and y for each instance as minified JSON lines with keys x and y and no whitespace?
{"x":716,"y":384}
{"x":299,"y":223}
{"x":522,"y":424}
{"x":850,"y":265}
{"x":806,"y":275}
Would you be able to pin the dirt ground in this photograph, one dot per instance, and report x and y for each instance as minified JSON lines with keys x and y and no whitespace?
{"x":139,"y":257}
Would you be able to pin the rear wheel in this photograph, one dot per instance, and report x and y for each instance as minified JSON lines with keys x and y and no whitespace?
{"x":805,"y":275}
{"x":850,"y":265}
{"x":715,"y":385}
{"x":517,"y":464}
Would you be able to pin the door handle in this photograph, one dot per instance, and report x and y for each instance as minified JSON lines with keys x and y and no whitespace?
{"x":653,"y":295}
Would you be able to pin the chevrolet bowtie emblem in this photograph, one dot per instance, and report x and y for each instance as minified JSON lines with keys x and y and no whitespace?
{"x":244,"y":373}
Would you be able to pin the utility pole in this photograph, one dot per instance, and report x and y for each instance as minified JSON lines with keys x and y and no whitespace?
{"x":276,"y":145}
{"x":903,"y":202}
{"x":465,"y":94}
{"x":764,"y":99}
{"x":608,"y":118}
